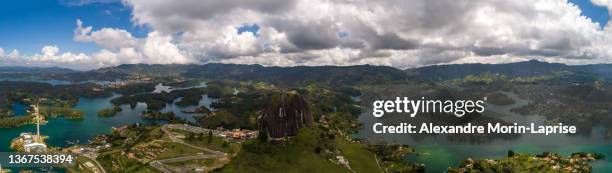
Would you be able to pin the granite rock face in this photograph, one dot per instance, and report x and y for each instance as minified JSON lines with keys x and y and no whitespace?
{"x":286,"y":114}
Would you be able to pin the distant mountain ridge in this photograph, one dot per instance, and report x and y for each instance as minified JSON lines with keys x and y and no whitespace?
{"x":517,"y":69}
{"x":287,"y":76}
{"x":23,"y":69}
{"x":331,"y":75}
{"x":531,"y":68}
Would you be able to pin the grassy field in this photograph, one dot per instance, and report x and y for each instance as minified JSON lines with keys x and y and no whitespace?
{"x":117,"y":162}
{"x":199,"y":162}
{"x":287,"y":161}
{"x":360,"y":159}
{"x":217,"y":143}
{"x":79,"y":162}
{"x":176,"y":149}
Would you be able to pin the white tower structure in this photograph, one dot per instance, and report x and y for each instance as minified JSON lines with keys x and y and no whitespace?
{"x":38,"y":145}
{"x":37,"y":113}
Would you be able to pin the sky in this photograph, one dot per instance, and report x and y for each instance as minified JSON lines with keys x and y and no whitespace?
{"x":90,"y":34}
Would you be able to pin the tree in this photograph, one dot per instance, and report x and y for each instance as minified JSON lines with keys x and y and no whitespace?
{"x":510,"y":153}
{"x":210,"y":136}
{"x":308,"y":137}
{"x":200,"y":137}
{"x":190,"y":136}
{"x":263,"y":135}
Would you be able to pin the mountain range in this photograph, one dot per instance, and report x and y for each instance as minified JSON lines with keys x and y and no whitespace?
{"x":22,"y":69}
{"x":332,"y":75}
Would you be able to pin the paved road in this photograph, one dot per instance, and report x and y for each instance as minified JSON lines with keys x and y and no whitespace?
{"x":185,"y":158}
{"x":175,"y":139}
{"x":160,"y":164}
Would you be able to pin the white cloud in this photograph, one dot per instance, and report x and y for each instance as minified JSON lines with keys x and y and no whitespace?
{"x":14,"y":54}
{"x":12,"y":58}
{"x":50,"y":54}
{"x":120,"y":47}
{"x":49,"y":51}
{"x":390,"y":32}
{"x":108,"y":38}
{"x":347,"y":32}
{"x":160,"y":50}
{"x":603,"y":3}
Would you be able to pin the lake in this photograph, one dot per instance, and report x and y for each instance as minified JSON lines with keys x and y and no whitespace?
{"x":19,"y":109}
{"x":61,"y":130}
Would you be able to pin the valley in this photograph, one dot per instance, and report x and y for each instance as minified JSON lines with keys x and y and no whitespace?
{"x":133,"y":118}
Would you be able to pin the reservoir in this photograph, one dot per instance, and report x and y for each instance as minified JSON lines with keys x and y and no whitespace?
{"x":62,"y":131}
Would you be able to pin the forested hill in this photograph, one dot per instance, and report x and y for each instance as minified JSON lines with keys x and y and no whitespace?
{"x":518,"y":69}
{"x":301,"y":75}
{"x":21,"y":69}
{"x":333,"y":75}
{"x":289,"y":76}
{"x":532,"y":68}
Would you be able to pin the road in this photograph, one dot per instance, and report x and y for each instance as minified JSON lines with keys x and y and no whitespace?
{"x":160,"y":164}
{"x":186,"y":158}
{"x":175,"y":139}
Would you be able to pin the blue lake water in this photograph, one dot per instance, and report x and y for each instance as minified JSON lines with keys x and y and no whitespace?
{"x":60,"y":130}
{"x":178,"y":110}
{"x":19,"y":109}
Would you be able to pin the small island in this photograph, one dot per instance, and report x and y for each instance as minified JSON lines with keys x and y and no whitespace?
{"x":109,"y":112}
{"x":57,"y":112}
{"x":10,"y":122}
{"x":199,"y":110}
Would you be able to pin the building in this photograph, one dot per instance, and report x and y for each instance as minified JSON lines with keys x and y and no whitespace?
{"x":35,"y":148}
{"x":26,"y":137}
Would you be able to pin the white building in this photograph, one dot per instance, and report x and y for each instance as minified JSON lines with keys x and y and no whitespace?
{"x":35,"y":148}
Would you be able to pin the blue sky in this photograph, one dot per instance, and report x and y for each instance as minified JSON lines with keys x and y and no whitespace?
{"x":28,"y":25}
{"x":595,"y":13}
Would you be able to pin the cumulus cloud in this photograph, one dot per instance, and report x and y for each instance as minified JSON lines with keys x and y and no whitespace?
{"x":117,"y":47}
{"x":347,"y":32}
{"x":391,"y":32}
{"x":12,"y":58}
{"x":160,"y":50}
{"x":109,"y":38}
{"x":50,"y":54}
